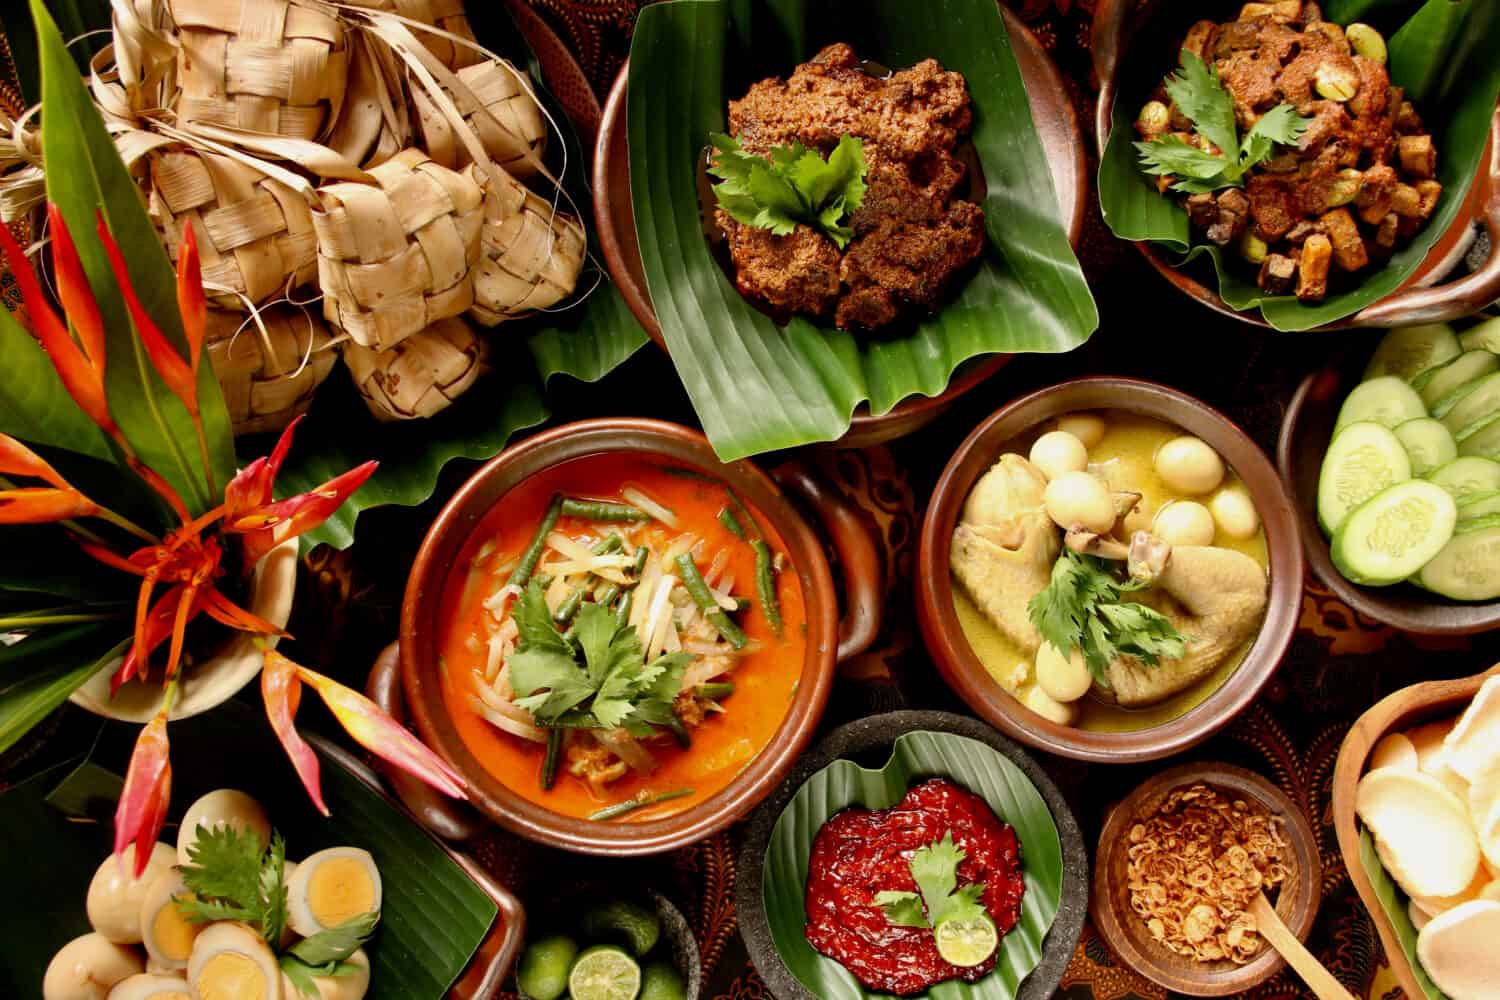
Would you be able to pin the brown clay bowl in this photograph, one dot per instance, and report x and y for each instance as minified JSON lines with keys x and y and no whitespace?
{"x":1125,"y":931}
{"x":829,"y":639}
{"x":1117,"y":26}
{"x":1056,"y":123}
{"x":1400,"y":710}
{"x":1306,"y":430}
{"x":962,"y":668}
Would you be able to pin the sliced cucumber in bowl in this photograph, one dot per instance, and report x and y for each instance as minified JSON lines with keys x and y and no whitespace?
{"x":1436,"y":385}
{"x":1471,"y":402}
{"x":1363,"y":459}
{"x":1473,"y":507}
{"x":1485,"y":335}
{"x":1468,"y":567}
{"x":1394,"y":534}
{"x":1428,"y":444}
{"x":1387,"y":401}
{"x":1481,"y":438}
{"x":1408,"y":351}
{"x":1468,"y":474}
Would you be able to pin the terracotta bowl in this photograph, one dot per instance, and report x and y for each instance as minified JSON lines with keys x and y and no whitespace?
{"x":828,"y":639}
{"x":1062,"y":139}
{"x":1306,"y":430}
{"x":1423,"y":299}
{"x":1126,"y":933}
{"x":1403,"y":709}
{"x":956,"y":659}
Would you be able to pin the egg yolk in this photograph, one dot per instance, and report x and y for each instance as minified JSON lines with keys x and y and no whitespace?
{"x":231,"y":976}
{"x":340,"y":890}
{"x":171,"y":933}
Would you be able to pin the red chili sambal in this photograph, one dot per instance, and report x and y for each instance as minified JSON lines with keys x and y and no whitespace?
{"x":861,"y":852}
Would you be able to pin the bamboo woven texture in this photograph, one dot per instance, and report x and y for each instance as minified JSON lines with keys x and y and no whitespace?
{"x":502,"y":113}
{"x":395,"y":257}
{"x":421,"y":375}
{"x":447,"y":15}
{"x":255,"y":235}
{"x":268,"y":376}
{"x":273,"y":66}
{"x":532,"y":253}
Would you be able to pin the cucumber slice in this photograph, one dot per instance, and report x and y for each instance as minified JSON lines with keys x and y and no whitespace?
{"x":1428,"y":444}
{"x":1470,"y":403}
{"x":1393,"y":534}
{"x":1475,"y":506}
{"x":1386,"y":400}
{"x":1467,"y":568}
{"x":1362,"y":460}
{"x":1435,"y":384}
{"x":1481,"y":438}
{"x":1467,"y":475}
{"x":1481,"y":335}
{"x":1410,"y":350}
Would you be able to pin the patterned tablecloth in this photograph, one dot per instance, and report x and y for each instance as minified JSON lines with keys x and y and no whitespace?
{"x":1339,"y":663}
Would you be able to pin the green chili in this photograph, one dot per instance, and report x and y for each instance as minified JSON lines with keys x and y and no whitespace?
{"x":521,"y":575}
{"x":553,"y":758}
{"x":612,"y":543}
{"x":765,"y":584}
{"x":593,"y":510}
{"x":728,"y":520}
{"x":714,"y":690}
{"x":704,"y":598}
{"x":631,"y":805}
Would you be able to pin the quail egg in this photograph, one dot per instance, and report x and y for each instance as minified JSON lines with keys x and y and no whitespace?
{"x":1057,"y":452}
{"x":218,"y":808}
{"x":114,"y":899}
{"x":1086,"y":427}
{"x":1188,"y":465}
{"x":1063,"y":678}
{"x":1079,"y":499}
{"x":231,"y":962}
{"x":87,"y":967}
{"x":1184,"y":522}
{"x":148,"y":986}
{"x":330,"y":888}
{"x":166,"y":933}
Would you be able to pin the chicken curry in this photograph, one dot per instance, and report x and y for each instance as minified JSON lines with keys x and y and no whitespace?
{"x":621,"y":638}
{"x":1123,"y":524}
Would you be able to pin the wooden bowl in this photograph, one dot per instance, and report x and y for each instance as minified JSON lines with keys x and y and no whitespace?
{"x":1400,"y":710}
{"x":1306,"y":430}
{"x":1062,"y":139}
{"x":956,"y":659}
{"x":1125,"y":931}
{"x":1422,"y":299}
{"x":828,"y":639}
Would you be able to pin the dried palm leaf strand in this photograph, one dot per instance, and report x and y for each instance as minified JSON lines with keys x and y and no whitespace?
{"x":446,"y":15}
{"x":268,"y":371}
{"x":255,"y":234}
{"x":421,"y":375}
{"x":136,"y":73}
{"x":396,"y":256}
{"x":532,"y":253}
{"x":373,"y":125}
{"x":274,"y":66}
{"x":502,"y":113}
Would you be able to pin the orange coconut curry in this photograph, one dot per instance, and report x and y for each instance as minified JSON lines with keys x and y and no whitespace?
{"x":621,"y":637}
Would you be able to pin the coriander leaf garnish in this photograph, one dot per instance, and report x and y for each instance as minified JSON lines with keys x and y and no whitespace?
{"x":1198,"y":93}
{"x":232,"y":876}
{"x":301,"y":974}
{"x":1080,"y":609}
{"x":795,"y":186}
{"x":337,"y":943}
{"x":935,"y":870}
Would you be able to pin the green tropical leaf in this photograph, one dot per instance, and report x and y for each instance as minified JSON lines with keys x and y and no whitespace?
{"x":88,"y":178}
{"x":1393,"y":902}
{"x":915,"y":757}
{"x":42,"y":559}
{"x":38,"y":673}
{"x":756,"y":386}
{"x":1451,"y":42}
{"x":34,"y":406}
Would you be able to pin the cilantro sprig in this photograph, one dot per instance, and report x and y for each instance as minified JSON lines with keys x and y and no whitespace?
{"x":612,"y":687}
{"x":1080,"y":609}
{"x":1199,"y":94}
{"x":796,"y":185}
{"x":935,"y":870}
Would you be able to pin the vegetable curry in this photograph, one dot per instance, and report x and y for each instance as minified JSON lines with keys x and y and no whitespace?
{"x":644,"y":658}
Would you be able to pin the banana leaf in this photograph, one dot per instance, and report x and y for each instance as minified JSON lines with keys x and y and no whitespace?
{"x":1461,"y":80}
{"x":757,"y":386}
{"x":34,"y":406}
{"x":915,"y":757}
{"x":1393,"y":902}
{"x":38,"y":673}
{"x":433,"y":916}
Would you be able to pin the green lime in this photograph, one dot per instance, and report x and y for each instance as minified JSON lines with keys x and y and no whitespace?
{"x":604,"y":972}
{"x":661,"y":981}
{"x":619,"y":920}
{"x":543,"y":972}
{"x":967,"y":942}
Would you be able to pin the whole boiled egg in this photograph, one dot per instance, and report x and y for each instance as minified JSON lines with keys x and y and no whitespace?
{"x":114,"y":898}
{"x":87,"y":967}
{"x":231,"y":962}
{"x":330,"y":888}
{"x":166,"y":933}
{"x":221,"y":807}
{"x":151,"y":986}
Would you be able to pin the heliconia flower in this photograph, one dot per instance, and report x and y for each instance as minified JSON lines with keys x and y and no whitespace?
{"x":372,"y":728}
{"x":73,"y":289}
{"x":191,"y":302}
{"x":43,"y":505}
{"x":18,"y":460}
{"x":252,"y":486}
{"x":268,"y":525}
{"x":281,"y":690}
{"x":176,"y":372}
{"x":158,"y":626}
{"x":142,"y":810}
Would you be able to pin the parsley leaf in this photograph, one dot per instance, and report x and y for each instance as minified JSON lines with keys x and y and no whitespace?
{"x":935,"y":870}
{"x":796,"y":185}
{"x":903,"y":909}
{"x":1198,"y":93}
{"x":337,"y":943}
{"x":232,"y":876}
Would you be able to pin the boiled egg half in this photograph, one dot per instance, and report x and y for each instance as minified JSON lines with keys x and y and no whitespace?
{"x":330,"y":888}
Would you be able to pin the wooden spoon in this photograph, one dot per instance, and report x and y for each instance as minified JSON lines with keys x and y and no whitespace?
{"x":1296,"y":954}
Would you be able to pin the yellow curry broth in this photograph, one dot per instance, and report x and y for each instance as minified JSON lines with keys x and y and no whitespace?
{"x":765,"y":681}
{"x":1125,"y":459}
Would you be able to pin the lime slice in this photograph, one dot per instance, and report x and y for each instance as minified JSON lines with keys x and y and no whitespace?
{"x":968,"y":942}
{"x":631,"y":923}
{"x":604,"y":972}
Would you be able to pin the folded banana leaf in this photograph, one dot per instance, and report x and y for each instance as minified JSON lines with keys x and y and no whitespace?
{"x":915,"y":757}
{"x":1393,"y":902}
{"x":758,"y":386}
{"x":1441,"y":50}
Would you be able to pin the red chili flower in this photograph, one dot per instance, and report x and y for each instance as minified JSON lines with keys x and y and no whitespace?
{"x":142,"y":810}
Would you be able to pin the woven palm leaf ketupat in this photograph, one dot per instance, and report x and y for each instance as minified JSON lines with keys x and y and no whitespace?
{"x":421,"y":375}
{"x":533,"y":252}
{"x":447,"y":15}
{"x":255,"y":234}
{"x":268,"y":376}
{"x":394,"y":257}
{"x":274,"y":66}
{"x":374,"y":123}
{"x":498,"y":108}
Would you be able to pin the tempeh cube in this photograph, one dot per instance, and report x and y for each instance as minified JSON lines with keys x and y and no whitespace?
{"x":1418,"y":155}
{"x":1406,"y":202}
{"x":1312,"y":269}
{"x":1348,"y":245}
{"x":1276,"y":274}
